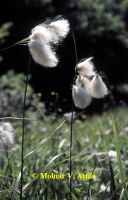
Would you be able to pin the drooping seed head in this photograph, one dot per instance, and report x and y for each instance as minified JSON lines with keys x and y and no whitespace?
{"x":42,"y":53}
{"x":43,"y":37}
{"x":81,"y":98}
{"x":98,"y":88}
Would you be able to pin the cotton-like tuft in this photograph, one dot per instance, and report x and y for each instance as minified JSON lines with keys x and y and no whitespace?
{"x":83,"y":82}
{"x":7,"y":136}
{"x":41,"y":52}
{"x":98,"y":88}
{"x":79,"y":80}
{"x":81,"y":98}
{"x":41,"y":31}
{"x":43,"y":37}
{"x":59,"y":29}
{"x":86,"y":67}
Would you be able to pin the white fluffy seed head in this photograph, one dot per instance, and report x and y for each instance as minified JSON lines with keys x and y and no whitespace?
{"x":86,"y":67}
{"x":98,"y":88}
{"x":7,"y":136}
{"x":59,"y":29}
{"x":83,"y":82}
{"x":41,"y":39}
{"x":41,"y":31}
{"x":41,"y":52}
{"x":81,"y":98}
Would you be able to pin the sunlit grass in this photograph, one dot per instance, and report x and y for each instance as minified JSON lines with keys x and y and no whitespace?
{"x":47,"y":150}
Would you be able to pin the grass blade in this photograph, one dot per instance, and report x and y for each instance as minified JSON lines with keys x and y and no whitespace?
{"x":120,"y":165}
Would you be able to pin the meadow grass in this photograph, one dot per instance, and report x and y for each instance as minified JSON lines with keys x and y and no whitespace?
{"x":46,"y":149}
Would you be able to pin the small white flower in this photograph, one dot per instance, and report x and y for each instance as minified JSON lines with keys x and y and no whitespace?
{"x":112,"y":154}
{"x":59,"y":29}
{"x":7,"y":135}
{"x":81,"y":98}
{"x":41,"y":52}
{"x":103,"y":188}
{"x":86,"y":67}
{"x":98,"y":88}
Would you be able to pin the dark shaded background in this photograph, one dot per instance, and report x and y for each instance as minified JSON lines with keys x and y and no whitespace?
{"x":100,"y":30}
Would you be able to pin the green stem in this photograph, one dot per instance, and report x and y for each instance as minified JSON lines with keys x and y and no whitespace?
{"x":71,"y":129}
{"x":23,"y":130}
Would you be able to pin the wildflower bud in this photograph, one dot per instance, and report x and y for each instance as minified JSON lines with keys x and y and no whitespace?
{"x":7,"y":135}
{"x":81,"y":98}
{"x":86,"y":67}
{"x":98,"y":88}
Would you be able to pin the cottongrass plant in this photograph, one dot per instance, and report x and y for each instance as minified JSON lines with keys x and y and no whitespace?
{"x":87,"y":84}
{"x":41,"y":46}
{"x":42,"y":43}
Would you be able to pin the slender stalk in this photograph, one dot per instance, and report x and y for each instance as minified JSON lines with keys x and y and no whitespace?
{"x":70,"y":153}
{"x":71,"y":128}
{"x":13,"y":45}
{"x":23,"y":129}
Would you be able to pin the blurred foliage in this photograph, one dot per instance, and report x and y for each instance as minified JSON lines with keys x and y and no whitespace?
{"x":94,"y":18}
{"x":41,"y":2}
{"x":4,"y":31}
{"x":33,"y":2}
{"x":98,"y":17}
{"x":123,"y":88}
{"x":12,"y":94}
